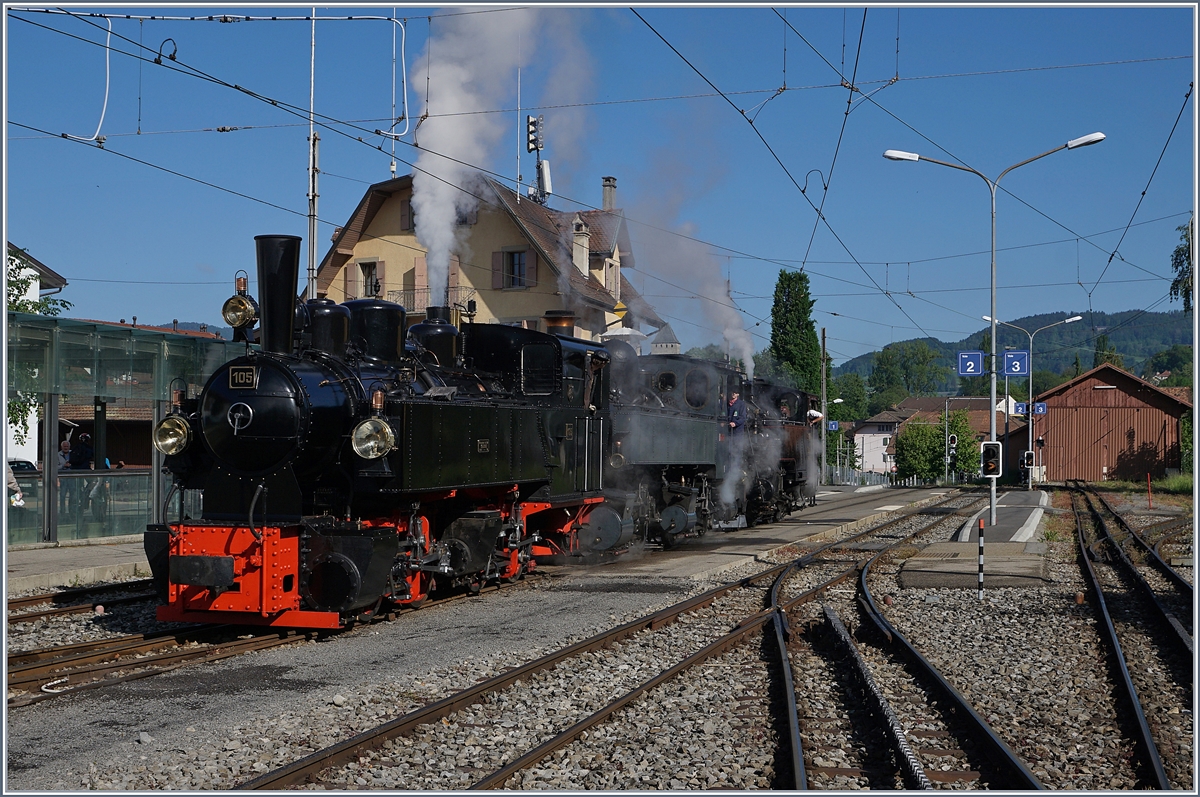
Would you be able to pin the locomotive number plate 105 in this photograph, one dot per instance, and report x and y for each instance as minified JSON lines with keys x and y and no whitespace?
{"x":243,"y":377}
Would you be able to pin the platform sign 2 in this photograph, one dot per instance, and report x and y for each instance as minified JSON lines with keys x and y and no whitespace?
{"x":1039,"y":408}
{"x":1020,"y":408}
{"x":970,"y":363}
{"x":1016,"y":363}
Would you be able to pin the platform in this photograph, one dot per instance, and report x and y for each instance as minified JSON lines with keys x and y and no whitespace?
{"x":956,"y":565}
{"x":50,"y":567}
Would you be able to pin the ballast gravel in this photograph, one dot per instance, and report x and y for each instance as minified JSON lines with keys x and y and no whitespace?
{"x":219,"y":725}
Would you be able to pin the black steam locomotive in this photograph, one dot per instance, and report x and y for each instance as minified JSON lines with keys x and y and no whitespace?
{"x":350,"y":462}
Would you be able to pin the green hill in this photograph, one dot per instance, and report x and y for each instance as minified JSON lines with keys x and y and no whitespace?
{"x":1137,"y":335}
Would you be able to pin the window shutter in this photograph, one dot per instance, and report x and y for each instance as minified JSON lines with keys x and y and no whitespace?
{"x":350,"y":281}
{"x":420,"y":273}
{"x":497,"y":270}
{"x":531,"y":265}
{"x":380,"y":276}
{"x":455,"y":267}
{"x":405,"y":214}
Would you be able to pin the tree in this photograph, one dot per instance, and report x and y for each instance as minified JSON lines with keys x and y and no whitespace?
{"x":919,"y":450}
{"x":1182,"y":261}
{"x":21,"y":278}
{"x":978,"y":385}
{"x":1177,"y":360}
{"x":1185,"y":443}
{"x":917,"y":365}
{"x":712,"y":352}
{"x":1106,"y":353}
{"x":883,"y":399}
{"x":851,"y":389}
{"x":793,"y":335}
{"x":767,"y":367}
{"x":1046,"y":380}
{"x":886,"y":371}
{"x":1078,"y":367}
{"x":921,"y":447}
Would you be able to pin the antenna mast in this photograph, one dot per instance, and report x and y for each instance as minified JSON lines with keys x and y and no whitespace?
{"x":311,"y":290}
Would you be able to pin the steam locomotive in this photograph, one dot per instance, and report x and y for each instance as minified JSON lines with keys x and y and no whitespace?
{"x":350,"y":463}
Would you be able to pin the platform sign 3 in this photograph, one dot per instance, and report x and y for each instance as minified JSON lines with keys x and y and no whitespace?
{"x":1016,"y":363}
{"x":1039,"y":408}
{"x":970,"y":363}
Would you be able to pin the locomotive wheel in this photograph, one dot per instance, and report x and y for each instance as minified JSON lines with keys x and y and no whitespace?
{"x":668,"y":540}
{"x":517,"y":576}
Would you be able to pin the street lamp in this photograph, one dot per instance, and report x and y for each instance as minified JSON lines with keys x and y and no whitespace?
{"x":1029,"y":407}
{"x":900,"y":155}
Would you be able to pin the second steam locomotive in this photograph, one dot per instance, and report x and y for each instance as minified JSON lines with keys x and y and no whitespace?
{"x":350,"y":463}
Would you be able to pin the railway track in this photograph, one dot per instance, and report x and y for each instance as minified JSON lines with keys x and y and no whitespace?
{"x":1149,"y":649}
{"x":722,"y":652}
{"x":63,"y":670}
{"x":78,"y":600}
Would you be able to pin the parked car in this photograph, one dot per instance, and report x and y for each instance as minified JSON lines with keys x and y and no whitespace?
{"x":27,"y":475}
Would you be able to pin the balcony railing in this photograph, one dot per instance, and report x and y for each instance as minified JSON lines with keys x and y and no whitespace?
{"x":415,"y":300}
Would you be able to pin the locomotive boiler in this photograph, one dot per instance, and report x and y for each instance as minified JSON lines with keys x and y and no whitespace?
{"x":348,"y":463}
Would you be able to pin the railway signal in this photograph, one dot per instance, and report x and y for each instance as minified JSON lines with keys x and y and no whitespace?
{"x":1027,"y":460}
{"x":989,"y":452}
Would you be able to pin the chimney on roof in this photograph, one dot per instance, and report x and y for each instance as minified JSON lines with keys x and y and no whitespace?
{"x":609,"y":201}
{"x":581,"y":249}
{"x":174,"y":324}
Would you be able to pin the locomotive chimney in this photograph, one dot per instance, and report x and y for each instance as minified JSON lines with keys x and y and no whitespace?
{"x":560,"y":322}
{"x":437,"y":334}
{"x":278,"y":272}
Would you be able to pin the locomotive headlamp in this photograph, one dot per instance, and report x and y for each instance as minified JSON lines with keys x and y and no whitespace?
{"x":372,"y":438}
{"x":239,"y":311}
{"x":172,"y":435}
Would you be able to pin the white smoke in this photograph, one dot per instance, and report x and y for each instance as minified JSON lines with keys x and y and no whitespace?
{"x":471,"y":63}
{"x":692,"y":287}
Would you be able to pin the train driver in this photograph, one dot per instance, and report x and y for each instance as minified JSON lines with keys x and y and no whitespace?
{"x":737,"y":413}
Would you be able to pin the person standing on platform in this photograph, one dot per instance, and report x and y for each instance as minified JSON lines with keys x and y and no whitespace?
{"x":64,"y":463}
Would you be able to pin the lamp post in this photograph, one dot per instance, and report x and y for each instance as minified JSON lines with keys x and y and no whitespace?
{"x":1029,"y":407}
{"x":900,"y":155}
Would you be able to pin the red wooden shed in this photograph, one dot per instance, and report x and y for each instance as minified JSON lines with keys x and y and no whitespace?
{"x":1108,"y":424}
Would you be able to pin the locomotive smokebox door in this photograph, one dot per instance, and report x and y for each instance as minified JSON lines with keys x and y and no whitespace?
{"x":472,"y":540}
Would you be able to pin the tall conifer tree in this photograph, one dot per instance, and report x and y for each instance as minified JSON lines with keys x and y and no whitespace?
{"x":794,"y":341}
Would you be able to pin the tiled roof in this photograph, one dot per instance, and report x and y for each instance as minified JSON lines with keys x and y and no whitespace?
{"x":47,"y":277}
{"x":605,"y":226}
{"x":192,"y":333}
{"x":551,"y":231}
{"x":122,"y":410}
{"x":938,"y":403}
{"x":665,"y":335}
{"x":1181,"y":393}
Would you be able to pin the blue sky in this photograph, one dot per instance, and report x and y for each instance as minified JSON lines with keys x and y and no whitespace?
{"x":905,"y":250}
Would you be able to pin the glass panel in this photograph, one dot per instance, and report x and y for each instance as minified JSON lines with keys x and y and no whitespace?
{"x":103,"y":504}
{"x":25,"y":522}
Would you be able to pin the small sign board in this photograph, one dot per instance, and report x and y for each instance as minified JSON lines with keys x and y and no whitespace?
{"x":1021,"y":408}
{"x":833,"y":426}
{"x":970,"y":363}
{"x":1039,"y":408}
{"x":1016,"y":363}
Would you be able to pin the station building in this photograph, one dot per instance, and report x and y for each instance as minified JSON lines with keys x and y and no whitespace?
{"x":520,"y":262}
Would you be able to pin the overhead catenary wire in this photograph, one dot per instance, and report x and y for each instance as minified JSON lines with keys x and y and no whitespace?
{"x":783,"y":166}
{"x":634,"y":221}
